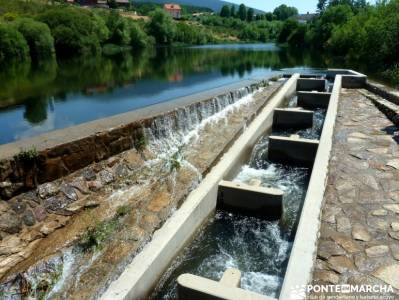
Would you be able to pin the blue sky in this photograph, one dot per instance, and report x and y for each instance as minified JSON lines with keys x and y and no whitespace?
{"x":269,"y":5}
{"x":303,"y":6}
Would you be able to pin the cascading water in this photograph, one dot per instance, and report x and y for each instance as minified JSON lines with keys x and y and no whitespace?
{"x":259,"y":248}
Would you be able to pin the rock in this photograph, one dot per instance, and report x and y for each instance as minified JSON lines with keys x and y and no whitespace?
{"x":133,"y":159}
{"x":57,"y":203}
{"x":343,"y":224}
{"x":80,"y":185}
{"x":160,"y":201}
{"x":393,"y":163}
{"x":378,"y":150}
{"x":106,"y":177}
{"x":10,"y":222}
{"x":392,"y":207}
{"x":47,"y":190}
{"x":70,"y":192}
{"x":31,"y":235}
{"x":92,"y":203}
{"x":94,"y":185}
{"x":388,"y":274}
{"x":112,"y":161}
{"x":360,"y":233}
{"x":326,"y":276}
{"x":340,"y":264}
{"x":40,"y":213}
{"x":379,"y":213}
{"x":394,"y":235}
{"x":395,"y":226}
{"x":377,"y":251}
{"x":10,"y":189}
{"x":11,"y":244}
{"x":347,"y":243}
{"x":50,"y":227}
{"x":17,"y":205}
{"x":28,"y":218}
{"x":89,"y":174}
{"x":329,"y":248}
{"x":121,"y":171}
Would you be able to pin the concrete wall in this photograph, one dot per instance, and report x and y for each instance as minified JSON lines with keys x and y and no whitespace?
{"x":142,"y":274}
{"x":288,"y":118}
{"x":307,"y":84}
{"x":292,"y":151}
{"x":313,"y":100}
{"x":300,"y":265}
{"x":250,"y":199}
{"x":383,"y":91}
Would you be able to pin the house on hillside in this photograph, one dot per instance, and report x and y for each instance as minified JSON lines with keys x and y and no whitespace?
{"x":174,"y":10}
{"x":305,"y":18}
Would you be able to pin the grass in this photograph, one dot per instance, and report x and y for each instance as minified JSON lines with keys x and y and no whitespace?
{"x":26,"y":155}
{"x":140,"y":142}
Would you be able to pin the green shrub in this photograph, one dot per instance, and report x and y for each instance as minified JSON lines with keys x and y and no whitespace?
{"x":13,"y":45}
{"x":38,"y":37}
{"x":162,"y":27}
{"x":119,"y":33}
{"x":138,"y":38}
{"x":75,"y":31}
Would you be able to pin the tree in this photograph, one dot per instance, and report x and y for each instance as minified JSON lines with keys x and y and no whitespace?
{"x":233,"y":11}
{"x":269,"y":16}
{"x":118,"y":29}
{"x":13,"y":45}
{"x":242,"y":12}
{"x":162,"y":27}
{"x":38,"y":37}
{"x":225,"y":12}
{"x":250,"y":14}
{"x":283,"y":12}
{"x":138,"y":38}
{"x":288,"y":28}
{"x":322,"y":5}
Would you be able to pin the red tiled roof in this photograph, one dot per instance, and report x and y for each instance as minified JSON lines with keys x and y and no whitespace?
{"x":172,"y":6}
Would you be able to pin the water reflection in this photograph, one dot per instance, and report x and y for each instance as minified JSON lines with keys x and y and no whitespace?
{"x":85,"y":89}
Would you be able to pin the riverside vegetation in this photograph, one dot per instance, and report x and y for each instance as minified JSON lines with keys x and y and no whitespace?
{"x":351,"y":30}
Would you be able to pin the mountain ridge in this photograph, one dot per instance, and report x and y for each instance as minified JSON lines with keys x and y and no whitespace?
{"x":215,"y":5}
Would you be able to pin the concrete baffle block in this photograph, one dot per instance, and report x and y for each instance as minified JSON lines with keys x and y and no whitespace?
{"x":235,"y":196}
{"x":292,"y":118}
{"x":293,"y":150}
{"x":312,"y":100}
{"x":311,"y":84}
{"x":200,"y":288}
{"x":231,"y":277}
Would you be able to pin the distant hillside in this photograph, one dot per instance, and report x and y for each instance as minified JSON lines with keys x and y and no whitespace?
{"x":215,"y":5}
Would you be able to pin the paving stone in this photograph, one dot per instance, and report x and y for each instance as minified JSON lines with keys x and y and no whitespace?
{"x":395,"y":250}
{"x":395,"y":226}
{"x":394,"y":235}
{"x":106,"y":177}
{"x":359,"y":232}
{"x":376,"y":251}
{"x":326,"y":276}
{"x":388,"y":274}
{"x":392,"y":207}
{"x":379,"y":212}
{"x":343,"y":224}
{"x":393,"y":163}
{"x":329,"y":248}
{"x":347,"y":243}
{"x":340,"y":264}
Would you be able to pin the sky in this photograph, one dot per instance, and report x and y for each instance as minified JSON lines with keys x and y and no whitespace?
{"x":303,"y":6}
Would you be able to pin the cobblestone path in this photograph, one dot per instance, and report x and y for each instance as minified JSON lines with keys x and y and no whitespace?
{"x":359,"y":235}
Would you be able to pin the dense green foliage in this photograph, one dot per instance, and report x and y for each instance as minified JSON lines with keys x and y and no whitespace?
{"x":38,"y":36}
{"x":283,"y":12}
{"x":354,"y":31}
{"x":13,"y":45}
{"x":162,"y":27}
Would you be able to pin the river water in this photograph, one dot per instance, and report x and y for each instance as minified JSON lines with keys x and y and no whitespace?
{"x":55,"y":95}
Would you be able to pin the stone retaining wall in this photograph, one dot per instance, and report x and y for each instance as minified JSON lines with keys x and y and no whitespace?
{"x":19,"y":173}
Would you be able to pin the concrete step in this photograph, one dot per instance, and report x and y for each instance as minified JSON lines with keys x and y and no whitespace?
{"x":312,"y":100}
{"x":311,"y":84}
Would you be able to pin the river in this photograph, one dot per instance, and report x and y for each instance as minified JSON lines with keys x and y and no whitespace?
{"x":59,"y":94}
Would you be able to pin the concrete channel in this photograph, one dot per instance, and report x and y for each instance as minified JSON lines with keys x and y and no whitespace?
{"x":141,"y":276}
